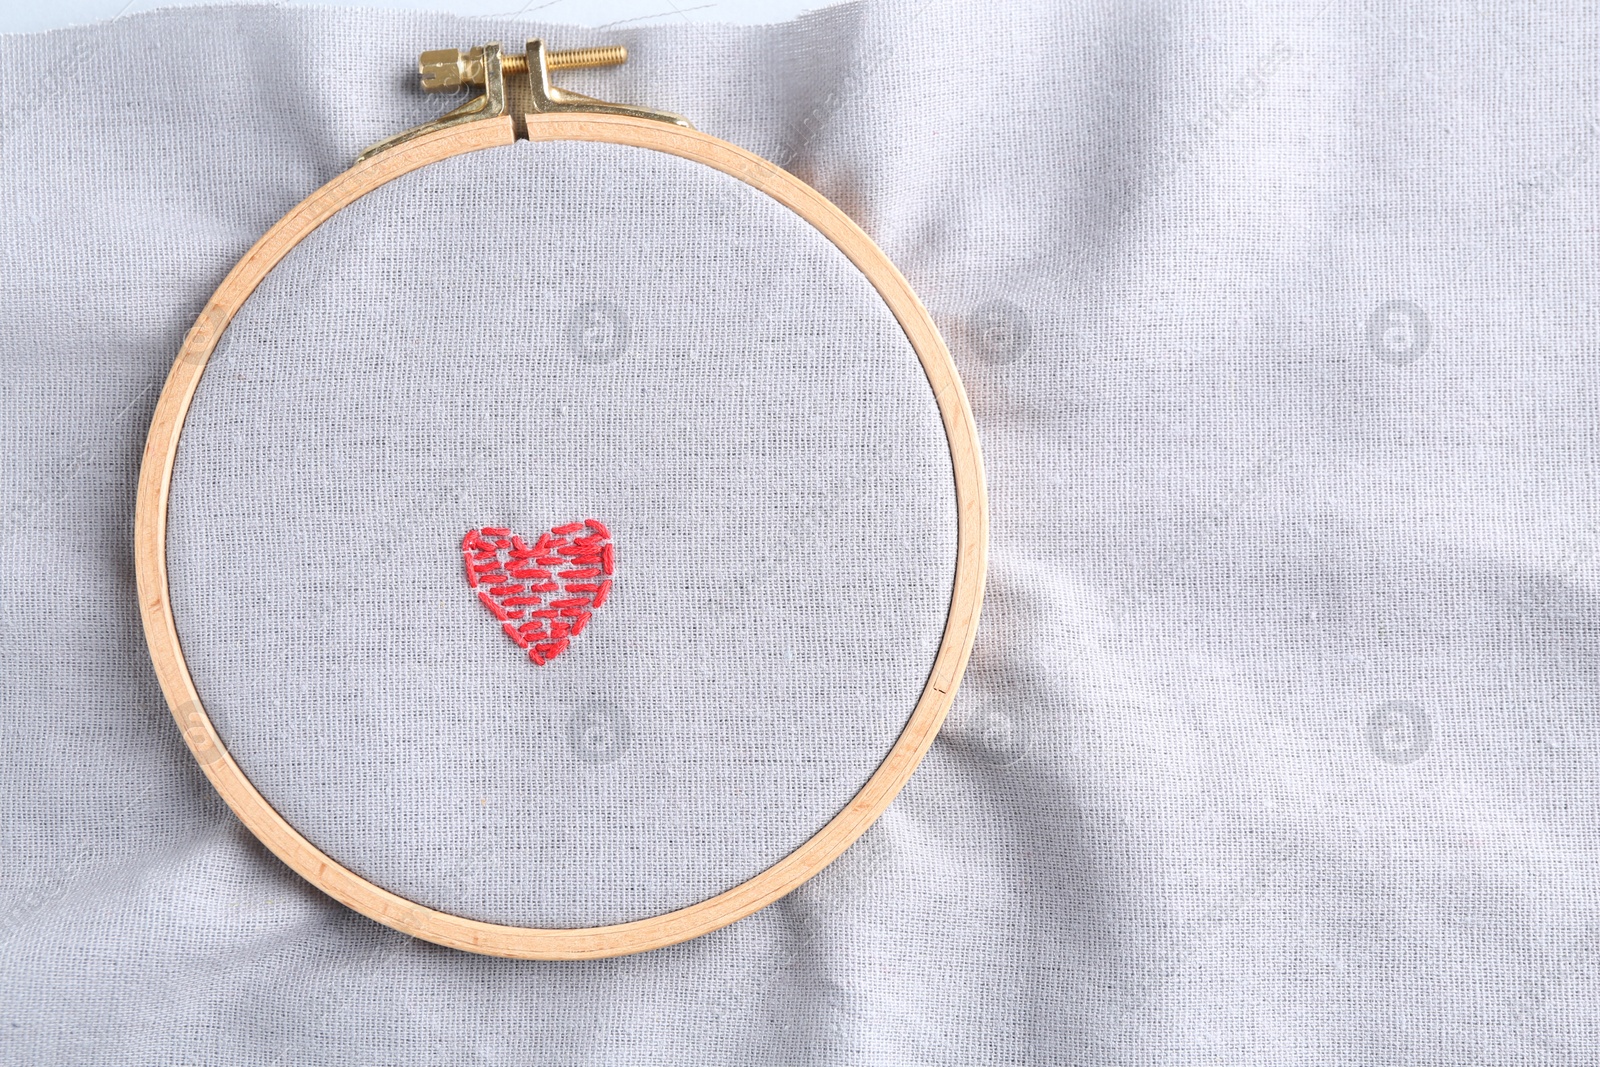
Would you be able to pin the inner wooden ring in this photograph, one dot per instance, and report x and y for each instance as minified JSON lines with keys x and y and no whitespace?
{"x":150,"y":530}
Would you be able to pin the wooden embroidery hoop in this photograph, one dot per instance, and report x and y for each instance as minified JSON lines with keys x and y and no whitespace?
{"x":611,"y":124}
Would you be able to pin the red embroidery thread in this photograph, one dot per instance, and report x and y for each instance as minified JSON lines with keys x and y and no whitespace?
{"x":510,"y":577}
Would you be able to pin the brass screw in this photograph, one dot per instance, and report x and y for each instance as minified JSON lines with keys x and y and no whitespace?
{"x":445,"y":69}
{"x":610,"y":55}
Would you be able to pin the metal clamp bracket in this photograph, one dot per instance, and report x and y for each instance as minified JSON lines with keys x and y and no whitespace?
{"x":449,"y":69}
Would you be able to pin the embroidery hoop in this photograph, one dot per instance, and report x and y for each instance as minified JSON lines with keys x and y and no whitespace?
{"x":485,"y":123}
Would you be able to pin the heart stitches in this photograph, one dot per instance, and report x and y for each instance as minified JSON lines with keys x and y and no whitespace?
{"x":517,"y":582}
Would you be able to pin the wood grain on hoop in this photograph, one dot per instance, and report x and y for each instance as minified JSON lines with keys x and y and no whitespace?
{"x":155,"y":481}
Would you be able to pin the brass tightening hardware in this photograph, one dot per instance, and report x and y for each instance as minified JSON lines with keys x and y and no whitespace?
{"x":445,"y":69}
{"x":488,"y":66}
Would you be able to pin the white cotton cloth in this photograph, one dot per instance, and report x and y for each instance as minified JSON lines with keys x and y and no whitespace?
{"x":1278,"y":742}
{"x":517,"y":339}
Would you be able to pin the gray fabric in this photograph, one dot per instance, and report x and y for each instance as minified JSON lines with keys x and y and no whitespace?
{"x":517,"y":339}
{"x":1278,"y":741}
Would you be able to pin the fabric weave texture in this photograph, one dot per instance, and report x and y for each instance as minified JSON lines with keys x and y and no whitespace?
{"x":1278,"y":744}
{"x":666,"y":349}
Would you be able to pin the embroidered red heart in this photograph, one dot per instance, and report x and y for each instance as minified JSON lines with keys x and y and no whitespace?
{"x":543,"y":593}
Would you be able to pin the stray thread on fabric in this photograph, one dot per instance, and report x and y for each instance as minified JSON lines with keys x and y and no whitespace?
{"x":518,"y":583}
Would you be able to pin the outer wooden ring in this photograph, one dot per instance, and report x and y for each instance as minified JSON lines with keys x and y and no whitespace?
{"x":150,"y":532}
